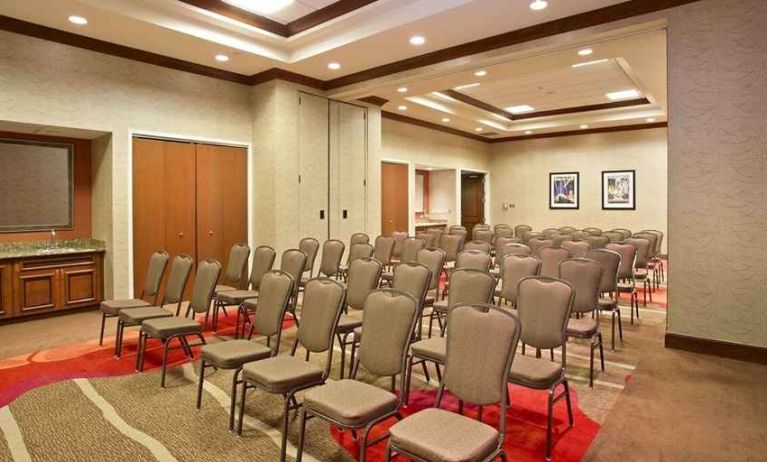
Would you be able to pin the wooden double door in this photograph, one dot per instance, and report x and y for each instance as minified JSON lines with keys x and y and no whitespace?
{"x":188,"y":198}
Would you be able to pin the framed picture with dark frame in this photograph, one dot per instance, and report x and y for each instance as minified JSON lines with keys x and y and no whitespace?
{"x":619,"y":190}
{"x":564,"y":190}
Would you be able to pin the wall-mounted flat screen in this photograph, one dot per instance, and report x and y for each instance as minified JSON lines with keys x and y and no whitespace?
{"x":36,"y":185}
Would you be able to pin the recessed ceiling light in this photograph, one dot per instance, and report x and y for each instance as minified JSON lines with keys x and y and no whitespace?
{"x":260,"y":6}
{"x":585,"y":52}
{"x":520,"y":109}
{"x":334,"y":66}
{"x":445,"y":119}
{"x":402,"y":107}
{"x":481,"y":73}
{"x":468,"y":85}
{"x":478,"y":129}
{"x":222,"y":58}
{"x":417,"y":40}
{"x":650,"y":119}
{"x":538,"y":5}
{"x":584,"y":126}
{"x":589,"y":63}
{"x":402,"y":89}
{"x":79,"y":20}
{"x":528,"y":132}
{"x":430,"y":104}
{"x":623,"y":94}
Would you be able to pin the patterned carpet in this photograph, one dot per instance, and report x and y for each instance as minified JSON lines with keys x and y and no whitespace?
{"x":76,"y":402}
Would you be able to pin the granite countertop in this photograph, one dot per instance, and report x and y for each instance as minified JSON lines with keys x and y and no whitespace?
{"x":42,"y":248}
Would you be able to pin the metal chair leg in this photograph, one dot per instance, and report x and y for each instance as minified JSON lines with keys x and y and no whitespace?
{"x":302,"y":431}
{"x":165,"y":347}
{"x":285,"y":416}
{"x":101,"y":333}
{"x":200,"y":383}
{"x":549,"y":423}
{"x":567,"y":401}
{"x":233,"y":398}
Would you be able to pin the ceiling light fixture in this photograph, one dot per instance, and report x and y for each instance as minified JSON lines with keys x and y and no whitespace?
{"x":260,"y":6}
{"x":430,"y":104}
{"x":590,"y":63}
{"x":417,"y":40}
{"x":334,"y":66}
{"x":402,"y":107}
{"x":520,"y":109}
{"x":481,"y":73}
{"x":445,"y":119}
{"x":623,"y":94}
{"x":495,"y":125}
{"x":222,"y":58}
{"x":468,"y":85}
{"x":650,"y":119}
{"x":402,"y":89}
{"x":584,"y":126}
{"x":79,"y":20}
{"x":478,"y":129}
{"x":585,"y":52}
{"x":538,"y":5}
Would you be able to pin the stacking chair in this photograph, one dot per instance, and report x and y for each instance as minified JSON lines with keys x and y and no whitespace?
{"x":521,"y":230}
{"x":482,"y":246}
{"x":593,"y":231}
{"x":263,"y":259}
{"x":515,"y":249}
{"x":286,"y":375}
{"x":434,"y":259}
{"x":580,"y":235}
{"x":427,"y":238}
{"x":437,"y":236}
{"x":475,"y":259}
{"x":480,"y":349}
{"x":399,"y":238}
{"x":652,"y":258}
{"x":174,"y":294}
{"x":625,"y":232}
{"x":410,"y":248}
{"x":151,"y":288}
{"x":656,"y":263}
{"x":543,"y":308}
{"x":577,"y":249}
{"x":608,"y":287}
{"x":585,"y":275}
{"x":557,"y":239}
{"x":641,"y":272}
{"x":384,"y":249}
{"x":332,"y":252}
{"x":536,"y":244}
{"x":501,"y":241}
{"x":567,"y":230}
{"x":233,"y":280}
{"x":357,"y":250}
{"x":500,"y":231}
{"x":293,"y":262}
{"x":275,"y":292}
{"x":364,"y":274}
{"x":548,"y":233}
{"x":626,"y":283}
{"x":482,"y":234}
{"x":597,"y":242}
{"x":456,"y":229}
{"x":389,"y":319}
{"x":550,"y":260}
{"x":456,"y":232}
{"x":513,"y":269}
{"x":168,"y":328}
{"x":613,"y":236}
{"x":530,"y":235}
{"x":310,"y":246}
{"x":452,"y":244}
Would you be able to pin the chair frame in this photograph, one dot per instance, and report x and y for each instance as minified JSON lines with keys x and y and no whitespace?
{"x":219,"y":305}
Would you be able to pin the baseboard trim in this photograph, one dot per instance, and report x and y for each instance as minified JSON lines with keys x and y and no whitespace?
{"x":749,"y":353}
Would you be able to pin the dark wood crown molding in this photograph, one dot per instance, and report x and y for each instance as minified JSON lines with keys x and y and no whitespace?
{"x":471,"y":101}
{"x":752,"y":354}
{"x":430,"y":125}
{"x":585,"y":108}
{"x":276,"y":73}
{"x":323,"y":15}
{"x":375,"y":100}
{"x":588,"y":131}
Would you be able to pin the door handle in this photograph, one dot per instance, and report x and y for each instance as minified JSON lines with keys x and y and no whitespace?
{"x":210,"y":233}
{"x":180,"y":234}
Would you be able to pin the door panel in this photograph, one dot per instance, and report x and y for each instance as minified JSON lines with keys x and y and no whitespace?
{"x":80,"y":286}
{"x":38,"y":290}
{"x":313,"y":166}
{"x":348,"y":156}
{"x":394,"y":198}
{"x":472,"y":200}
{"x":6,"y":290}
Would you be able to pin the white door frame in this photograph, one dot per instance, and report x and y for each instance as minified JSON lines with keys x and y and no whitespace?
{"x":410,"y":192}
{"x":459,"y":193}
{"x":190,"y":138}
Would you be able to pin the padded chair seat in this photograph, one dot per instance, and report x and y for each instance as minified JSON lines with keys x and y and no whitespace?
{"x":114,"y":306}
{"x":607,"y":303}
{"x":437,"y":434}
{"x":233,"y":354}
{"x":582,"y":327}
{"x":235,"y":297}
{"x":222,"y":288}
{"x":165,"y":327}
{"x":532,"y":372}
{"x":135,"y":316}
{"x":626,"y":287}
{"x":349,"y":322}
{"x":434,"y":348}
{"x":350,"y":402}
{"x":428,"y":301}
{"x":440,"y":306}
{"x":640,"y":276}
{"x":281,"y":373}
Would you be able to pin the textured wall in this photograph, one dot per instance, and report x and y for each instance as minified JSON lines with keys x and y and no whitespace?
{"x":718,"y":170}
{"x":521,"y":170}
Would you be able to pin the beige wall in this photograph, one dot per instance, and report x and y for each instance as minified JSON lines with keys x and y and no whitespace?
{"x":521,"y":173}
{"x":442,"y":195}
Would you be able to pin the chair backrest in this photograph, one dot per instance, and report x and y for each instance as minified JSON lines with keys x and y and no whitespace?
{"x":550,"y":260}
{"x":413,"y":278}
{"x":456,"y":232}
{"x":332,"y":252}
{"x":593,"y":231}
{"x":577,"y":248}
{"x":434,"y":259}
{"x":482,"y":234}
{"x":598,"y":242}
{"x":263,"y":259}
{"x":548,"y":233}
{"x":642,"y":246}
{"x":273,"y":298}
{"x":514,"y":268}
{"x":514,"y":249}
{"x":628,"y":255}
{"x":521,"y":230}
{"x":363,"y":277}
{"x":613,"y":236}
{"x":384,"y":249}
{"x":359,"y":250}
{"x":610,"y":262}
{"x":482,"y":246}
{"x":456,"y":229}
{"x":567,"y":229}
{"x":475,"y":259}
{"x":427,"y":238}
{"x":410,"y":248}
{"x":557,"y":239}
{"x":579,"y":235}
{"x":585,"y":276}
{"x":536,"y":244}
{"x":154,"y":273}
{"x":501,"y":241}
{"x":388,"y":321}
{"x":359,"y":238}
{"x":452,"y":243}
{"x":399,"y":237}
{"x":543,"y":306}
{"x":180,"y":269}
{"x":309,"y":246}
{"x":437,"y":236}
{"x":470,"y":286}
{"x":626,"y":232}
{"x":481,"y":226}
{"x":293,"y":262}
{"x":653,"y":238}
{"x":481,"y":346}
{"x":321,"y":308}
{"x":238,"y":260}
{"x":204,"y":285}
{"x":502,"y":231}
{"x":658,"y":241}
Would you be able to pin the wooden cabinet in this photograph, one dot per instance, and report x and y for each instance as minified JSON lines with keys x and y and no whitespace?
{"x":43,"y":284}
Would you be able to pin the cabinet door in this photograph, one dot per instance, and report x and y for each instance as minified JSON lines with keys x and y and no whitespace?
{"x":79,"y":286}
{"x":222,"y":200}
{"x":6,"y":290}
{"x":313,"y":166}
{"x":348,"y":157}
{"x":36,"y":289}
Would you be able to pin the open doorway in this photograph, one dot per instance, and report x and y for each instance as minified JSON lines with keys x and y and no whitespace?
{"x":472,"y":199}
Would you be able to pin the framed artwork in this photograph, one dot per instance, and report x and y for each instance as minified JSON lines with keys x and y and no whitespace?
{"x":619,"y":190}
{"x":564,"y":190}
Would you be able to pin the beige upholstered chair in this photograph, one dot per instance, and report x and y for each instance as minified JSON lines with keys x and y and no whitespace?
{"x":550,"y":260}
{"x":548,"y":233}
{"x":625,"y":232}
{"x":410,"y":248}
{"x":652,"y":258}
{"x":358,"y":250}
{"x":656,"y":262}
{"x":641,"y":272}
{"x":399,"y":239}
{"x":475,"y":259}
{"x":579,"y":235}
{"x":521,"y":230}
{"x":608,"y":287}
{"x":482,"y":234}
{"x":384,"y":249}
{"x":285,"y":375}
{"x":389,"y":320}
{"x":456,"y":229}
{"x":501,"y":241}
{"x":274,"y":295}
{"x":530,"y":235}
{"x":168,"y":328}
{"x":364,"y":274}
{"x":263,"y":259}
{"x":482,"y":246}
{"x":613,"y":236}
{"x":536,"y":244}
{"x":543,"y":308}
{"x":310,"y":246}
{"x":597,"y":242}
{"x":332,"y":252}
{"x":626,"y":284}
{"x":234,"y":278}
{"x":502,"y":231}
{"x":476,"y":370}
{"x":359,"y":238}
{"x":566,"y":229}
{"x":437,"y":236}
{"x":151,"y":289}
{"x":455,"y":232}
{"x":557,"y":239}
{"x":593,"y":231}
{"x":174,"y":295}
{"x":585,"y":276}
{"x":577,"y":249}
{"x":427,"y":238}
{"x":452,"y":244}
{"x":434,"y":259}
{"x":514,"y":249}
{"x":513,"y":269}
{"x":293,"y":262}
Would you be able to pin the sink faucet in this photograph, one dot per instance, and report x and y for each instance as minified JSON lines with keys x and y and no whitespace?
{"x":51,"y":239}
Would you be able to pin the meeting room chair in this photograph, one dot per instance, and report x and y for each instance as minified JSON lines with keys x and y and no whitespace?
{"x":482,"y":234}
{"x":482,"y":246}
{"x":384,"y":249}
{"x":577,"y":249}
{"x":652,"y":258}
{"x":521,"y":230}
{"x":434,"y":259}
{"x":613,"y":236}
{"x":293,"y":262}
{"x":410,"y":248}
{"x":513,"y":269}
{"x":427,"y":238}
{"x":468,"y":258}
{"x":263,"y":260}
{"x":641,"y":273}
{"x":579,"y":235}
{"x":437,"y":234}
{"x":399,"y":239}
{"x":567,"y":230}
{"x":310,"y":246}
{"x":597,"y":242}
{"x":452,"y":244}
{"x":233,"y":279}
{"x":593,"y":231}
{"x":538,"y":243}
{"x":608,"y":287}
{"x":626,"y":283}
{"x":550,"y":260}
{"x":332,"y":252}
{"x":548,"y":233}
{"x":357,"y":250}
{"x":625,"y":232}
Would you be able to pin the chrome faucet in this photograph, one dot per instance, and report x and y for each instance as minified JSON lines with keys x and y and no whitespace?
{"x":51,"y":239}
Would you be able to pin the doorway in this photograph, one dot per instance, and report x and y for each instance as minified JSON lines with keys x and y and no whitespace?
{"x":472,"y":199}
{"x":394,"y":198}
